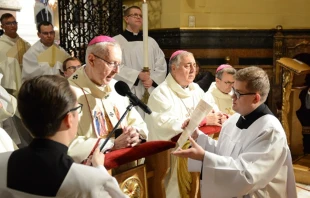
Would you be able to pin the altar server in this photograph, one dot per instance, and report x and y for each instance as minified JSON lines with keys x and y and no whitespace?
{"x":251,"y":158}
{"x":131,"y":42}
{"x":49,"y":109}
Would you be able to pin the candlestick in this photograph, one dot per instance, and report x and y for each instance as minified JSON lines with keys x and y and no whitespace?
{"x":145,"y":34}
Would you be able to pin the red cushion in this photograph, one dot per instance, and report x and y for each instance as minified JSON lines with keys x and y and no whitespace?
{"x":125,"y":155}
{"x":209,"y":129}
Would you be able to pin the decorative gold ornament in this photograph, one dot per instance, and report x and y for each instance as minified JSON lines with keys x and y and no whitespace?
{"x":146,"y":94}
{"x":133,"y":187}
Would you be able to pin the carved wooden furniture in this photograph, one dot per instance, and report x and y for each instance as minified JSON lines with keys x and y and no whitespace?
{"x":288,"y":84}
{"x":293,"y":74}
{"x":133,"y":182}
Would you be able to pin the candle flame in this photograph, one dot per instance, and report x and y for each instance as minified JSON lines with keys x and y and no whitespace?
{"x":144,"y":1}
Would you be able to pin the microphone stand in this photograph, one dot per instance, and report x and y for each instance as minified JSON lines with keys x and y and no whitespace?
{"x":129,"y":107}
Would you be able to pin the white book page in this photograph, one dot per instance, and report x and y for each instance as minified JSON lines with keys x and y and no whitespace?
{"x":200,"y":112}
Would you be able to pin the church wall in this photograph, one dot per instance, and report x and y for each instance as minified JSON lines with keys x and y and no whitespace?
{"x":230,"y":14}
{"x":245,"y":14}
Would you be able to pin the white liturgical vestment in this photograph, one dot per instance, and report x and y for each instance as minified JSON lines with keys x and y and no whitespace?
{"x":132,"y":50}
{"x":171,"y":105}
{"x":219,"y":100}
{"x":250,"y":162}
{"x":31,"y":66}
{"x":102,"y":108}
{"x":11,"y":55}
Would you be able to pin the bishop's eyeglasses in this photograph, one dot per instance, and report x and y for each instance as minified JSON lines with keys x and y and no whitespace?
{"x":113,"y":65}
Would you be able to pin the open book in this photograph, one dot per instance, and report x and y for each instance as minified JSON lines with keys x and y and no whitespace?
{"x":200,"y":112}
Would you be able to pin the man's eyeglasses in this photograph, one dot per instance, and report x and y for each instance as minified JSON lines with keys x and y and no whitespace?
{"x":238,"y":95}
{"x":78,"y":108}
{"x":47,"y":33}
{"x":229,"y":83}
{"x":74,"y":68}
{"x":135,"y":15}
{"x":10,"y":23}
{"x":113,"y":65}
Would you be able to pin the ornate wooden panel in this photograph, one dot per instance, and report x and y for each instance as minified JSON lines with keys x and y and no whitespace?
{"x":81,"y":20}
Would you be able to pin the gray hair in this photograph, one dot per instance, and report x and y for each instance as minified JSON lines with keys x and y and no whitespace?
{"x":228,"y":70}
{"x":100,"y":49}
{"x":177,"y":59}
{"x":256,"y":79}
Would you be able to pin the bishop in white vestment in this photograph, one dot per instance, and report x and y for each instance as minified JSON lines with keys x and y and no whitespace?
{"x":219,"y":94}
{"x":103,"y":106}
{"x":172,"y":102}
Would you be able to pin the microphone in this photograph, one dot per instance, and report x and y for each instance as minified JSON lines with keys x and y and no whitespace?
{"x":123,"y":90}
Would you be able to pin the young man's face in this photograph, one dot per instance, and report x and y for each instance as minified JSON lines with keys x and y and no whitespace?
{"x":244,"y":104}
{"x":9,"y":25}
{"x":47,"y":35}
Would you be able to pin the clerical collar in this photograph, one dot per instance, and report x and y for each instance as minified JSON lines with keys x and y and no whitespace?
{"x":43,"y":143}
{"x":130,"y":36}
{"x":245,"y":121}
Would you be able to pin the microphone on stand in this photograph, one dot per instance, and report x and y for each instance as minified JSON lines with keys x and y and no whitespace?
{"x":123,"y":90}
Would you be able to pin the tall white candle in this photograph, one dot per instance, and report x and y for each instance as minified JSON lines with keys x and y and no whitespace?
{"x":145,"y":35}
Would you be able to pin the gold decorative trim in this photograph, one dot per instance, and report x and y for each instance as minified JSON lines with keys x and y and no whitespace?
{"x":133,"y":187}
{"x":286,"y":88}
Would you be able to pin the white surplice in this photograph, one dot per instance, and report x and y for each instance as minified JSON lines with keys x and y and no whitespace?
{"x":218,"y":100}
{"x":6,"y":143}
{"x":81,"y":181}
{"x":254,"y":162}
{"x":171,"y":105}
{"x":10,"y":66}
{"x":31,"y":66}
{"x":99,"y":99}
{"x":133,"y":60}
{"x":8,"y":105}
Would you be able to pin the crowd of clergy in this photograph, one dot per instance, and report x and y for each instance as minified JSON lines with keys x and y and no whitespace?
{"x":56,"y":114}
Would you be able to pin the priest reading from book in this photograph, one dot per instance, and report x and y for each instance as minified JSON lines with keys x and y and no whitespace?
{"x":12,"y":49}
{"x":103,"y":106}
{"x":44,"y":57}
{"x":49,"y":109}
